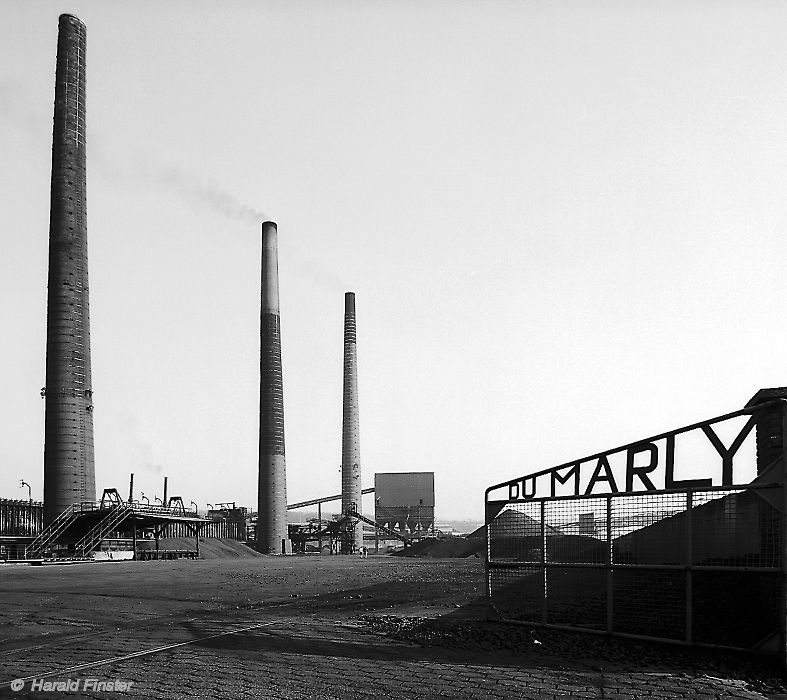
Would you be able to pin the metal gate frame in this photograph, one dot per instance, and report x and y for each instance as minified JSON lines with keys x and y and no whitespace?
{"x":515,"y":574}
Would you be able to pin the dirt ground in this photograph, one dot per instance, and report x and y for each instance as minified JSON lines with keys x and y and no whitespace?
{"x":322,"y":627}
{"x":55,"y":600}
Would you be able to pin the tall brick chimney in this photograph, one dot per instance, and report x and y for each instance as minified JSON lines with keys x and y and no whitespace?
{"x":272,"y":537}
{"x":351,"y":446}
{"x":69,"y":464}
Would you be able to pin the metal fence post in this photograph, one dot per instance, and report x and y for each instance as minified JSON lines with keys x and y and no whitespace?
{"x":544,"y":611}
{"x":610,"y":570}
{"x":689,"y":561}
{"x":783,"y":553}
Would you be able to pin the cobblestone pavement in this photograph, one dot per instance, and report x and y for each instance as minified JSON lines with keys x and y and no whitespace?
{"x":310,"y":648}
{"x":286,"y":656}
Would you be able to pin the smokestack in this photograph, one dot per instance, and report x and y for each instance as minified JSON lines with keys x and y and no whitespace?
{"x":272,"y":537}
{"x":69,"y":465}
{"x":351,"y":446}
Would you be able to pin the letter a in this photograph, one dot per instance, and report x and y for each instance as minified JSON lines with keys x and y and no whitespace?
{"x":603,"y":463}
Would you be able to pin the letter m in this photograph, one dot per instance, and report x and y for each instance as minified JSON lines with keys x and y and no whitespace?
{"x":573,"y":470}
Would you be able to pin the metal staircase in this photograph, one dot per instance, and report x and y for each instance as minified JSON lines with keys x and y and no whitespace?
{"x":116,"y":515}
{"x":51,"y":532}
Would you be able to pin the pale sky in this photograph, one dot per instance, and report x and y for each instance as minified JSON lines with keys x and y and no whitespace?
{"x":563,"y":222}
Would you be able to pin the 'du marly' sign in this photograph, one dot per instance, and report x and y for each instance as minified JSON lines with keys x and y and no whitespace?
{"x":646,"y":462}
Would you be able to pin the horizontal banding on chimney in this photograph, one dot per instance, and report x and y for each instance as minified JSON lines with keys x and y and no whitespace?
{"x":351,"y":447}
{"x":272,"y":536}
{"x":69,"y":461}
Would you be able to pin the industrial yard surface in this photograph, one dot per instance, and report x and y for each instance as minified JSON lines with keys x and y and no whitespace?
{"x":318,"y":627}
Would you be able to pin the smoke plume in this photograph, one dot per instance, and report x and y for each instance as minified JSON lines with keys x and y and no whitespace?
{"x":208,"y":195}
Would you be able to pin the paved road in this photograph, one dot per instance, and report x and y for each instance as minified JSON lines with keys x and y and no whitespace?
{"x":310,"y":647}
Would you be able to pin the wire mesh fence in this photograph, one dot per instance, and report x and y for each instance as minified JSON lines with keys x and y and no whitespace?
{"x":693,"y":565}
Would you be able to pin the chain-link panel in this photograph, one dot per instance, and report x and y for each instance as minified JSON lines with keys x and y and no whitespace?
{"x":737,"y":528}
{"x":576,"y":596}
{"x":649,"y":529}
{"x":735,"y":608}
{"x":577,"y":531}
{"x":649,"y":602}
{"x":515,"y":535}
{"x":674,"y":565}
{"x":517,"y":594}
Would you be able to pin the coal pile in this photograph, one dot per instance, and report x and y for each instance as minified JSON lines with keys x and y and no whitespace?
{"x":446,"y":548}
{"x":209,"y":547}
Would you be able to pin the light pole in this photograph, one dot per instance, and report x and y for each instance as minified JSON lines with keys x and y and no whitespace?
{"x":29,"y":490}
{"x":196,"y":507}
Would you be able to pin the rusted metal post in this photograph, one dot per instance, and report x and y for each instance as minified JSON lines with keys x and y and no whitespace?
{"x":69,"y":464}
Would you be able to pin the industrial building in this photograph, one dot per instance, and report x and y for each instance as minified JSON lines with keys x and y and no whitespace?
{"x":70,"y":521}
{"x":405,"y":501}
